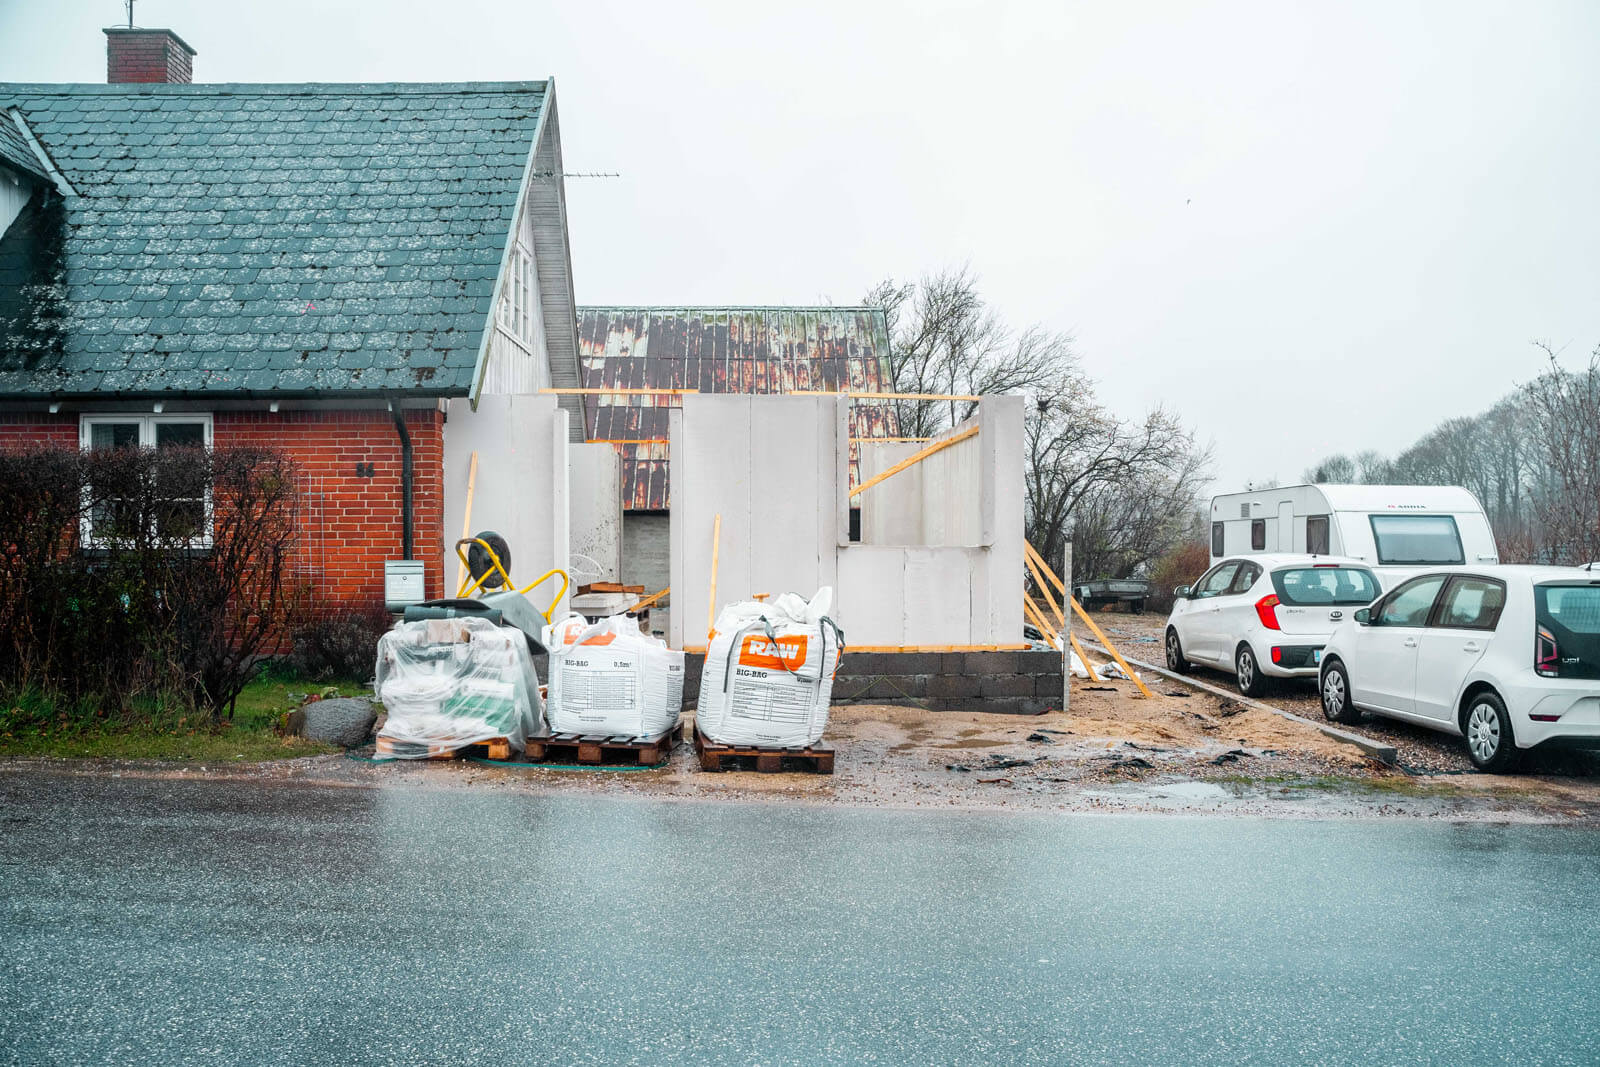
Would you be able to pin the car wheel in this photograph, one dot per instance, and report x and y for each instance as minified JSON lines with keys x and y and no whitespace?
{"x":1487,"y":727}
{"x":1252,"y":683}
{"x":1336,"y":703}
{"x":1175,"y":661}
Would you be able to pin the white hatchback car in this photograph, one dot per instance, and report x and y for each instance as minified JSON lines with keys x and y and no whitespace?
{"x":1507,"y":656}
{"x":1265,"y":616}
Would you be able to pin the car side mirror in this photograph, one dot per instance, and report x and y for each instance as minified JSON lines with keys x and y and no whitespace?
{"x":1182,"y":592}
{"x":1364,"y":616}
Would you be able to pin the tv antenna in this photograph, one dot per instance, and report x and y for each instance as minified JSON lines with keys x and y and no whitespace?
{"x":129,"y":5}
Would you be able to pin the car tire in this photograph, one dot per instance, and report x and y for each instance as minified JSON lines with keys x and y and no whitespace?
{"x":1486,"y":727}
{"x":1176,"y":662}
{"x":1335,"y":689}
{"x":1247,"y":672}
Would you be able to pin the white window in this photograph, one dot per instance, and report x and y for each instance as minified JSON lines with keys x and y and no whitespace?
{"x":515,"y":314}
{"x":184,"y":518}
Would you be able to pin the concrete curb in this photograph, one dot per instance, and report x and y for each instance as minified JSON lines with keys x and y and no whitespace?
{"x":1378,"y":751}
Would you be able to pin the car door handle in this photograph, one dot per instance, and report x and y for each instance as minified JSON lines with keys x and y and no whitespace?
{"x":1472,"y":646}
{"x":1410,"y":642}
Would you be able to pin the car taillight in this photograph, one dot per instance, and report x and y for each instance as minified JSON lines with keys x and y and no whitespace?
{"x":1267,"y":609}
{"x":1546,"y":657}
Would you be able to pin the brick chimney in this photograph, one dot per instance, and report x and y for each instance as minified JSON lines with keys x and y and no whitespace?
{"x":139,"y":55}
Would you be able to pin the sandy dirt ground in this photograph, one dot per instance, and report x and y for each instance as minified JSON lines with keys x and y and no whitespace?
{"x":1420,"y":751}
{"x":1183,"y":752}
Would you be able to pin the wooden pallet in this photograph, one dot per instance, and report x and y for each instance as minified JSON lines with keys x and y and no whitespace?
{"x":602,"y":748}
{"x":494,"y":748}
{"x":817,"y":757}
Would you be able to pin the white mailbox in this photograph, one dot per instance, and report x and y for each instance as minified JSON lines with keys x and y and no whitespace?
{"x":403,"y":583}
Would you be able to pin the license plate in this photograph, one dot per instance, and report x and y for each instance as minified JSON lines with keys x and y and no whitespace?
{"x":1316,"y":656}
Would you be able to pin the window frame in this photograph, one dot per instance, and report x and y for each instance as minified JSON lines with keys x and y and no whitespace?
{"x":1245,"y":567}
{"x":1377,"y":542}
{"x":1196,"y":594}
{"x":1437,"y":613}
{"x":147,"y":423}
{"x":1219,"y":538}
{"x":1327,"y":535}
{"x":1375,"y":613}
{"x":1258,"y":535}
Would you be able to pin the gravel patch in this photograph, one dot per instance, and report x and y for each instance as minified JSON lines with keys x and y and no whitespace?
{"x":1420,"y":751}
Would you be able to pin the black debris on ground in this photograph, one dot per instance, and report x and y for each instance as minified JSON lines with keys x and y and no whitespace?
{"x":1232,"y":756}
{"x":1228,"y":708}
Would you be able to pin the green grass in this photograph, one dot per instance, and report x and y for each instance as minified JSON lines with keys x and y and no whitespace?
{"x":251,"y":737}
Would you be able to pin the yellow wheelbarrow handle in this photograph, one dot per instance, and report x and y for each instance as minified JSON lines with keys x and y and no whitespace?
{"x":470,"y":585}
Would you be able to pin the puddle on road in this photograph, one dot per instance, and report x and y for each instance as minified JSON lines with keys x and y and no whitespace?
{"x":1186,"y":792}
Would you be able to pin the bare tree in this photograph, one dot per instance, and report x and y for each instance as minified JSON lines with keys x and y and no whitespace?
{"x":1122,"y":490}
{"x":945,"y":340}
{"x":1564,"y":407}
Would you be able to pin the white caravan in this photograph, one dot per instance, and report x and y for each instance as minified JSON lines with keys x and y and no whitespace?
{"x":1397,"y":530}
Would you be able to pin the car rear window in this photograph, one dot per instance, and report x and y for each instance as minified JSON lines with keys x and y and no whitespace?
{"x":1416,"y":539}
{"x":1571,"y":613}
{"x":1308,"y":586}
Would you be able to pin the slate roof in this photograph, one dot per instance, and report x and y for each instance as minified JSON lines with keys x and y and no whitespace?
{"x":292,"y":239}
{"x":721,"y":350}
{"x":15,"y":151}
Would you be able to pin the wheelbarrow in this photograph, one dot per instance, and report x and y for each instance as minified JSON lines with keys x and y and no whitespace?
{"x":487,"y":591}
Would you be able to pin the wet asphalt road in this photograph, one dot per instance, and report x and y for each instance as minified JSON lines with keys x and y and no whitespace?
{"x":213,"y":922}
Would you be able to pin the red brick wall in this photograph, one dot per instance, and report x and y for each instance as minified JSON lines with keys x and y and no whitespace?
{"x":29,"y":430}
{"x":351,"y":522}
{"x":147,"y":56}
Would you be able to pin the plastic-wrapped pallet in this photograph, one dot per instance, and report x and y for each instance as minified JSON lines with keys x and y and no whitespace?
{"x":449,"y":683}
{"x":611,"y":678}
{"x":769,"y":672}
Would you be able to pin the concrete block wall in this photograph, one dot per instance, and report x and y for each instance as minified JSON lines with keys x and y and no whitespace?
{"x":1008,"y":683}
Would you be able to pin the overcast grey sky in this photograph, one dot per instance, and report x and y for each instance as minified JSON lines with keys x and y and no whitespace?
{"x":1307,"y":227}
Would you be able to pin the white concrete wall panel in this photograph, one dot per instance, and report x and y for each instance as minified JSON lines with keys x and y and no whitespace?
{"x":597,"y":507}
{"x":522,"y":485}
{"x":776,"y":469}
{"x":891,"y":511}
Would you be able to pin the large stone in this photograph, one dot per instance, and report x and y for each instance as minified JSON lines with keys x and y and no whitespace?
{"x":343,"y":721}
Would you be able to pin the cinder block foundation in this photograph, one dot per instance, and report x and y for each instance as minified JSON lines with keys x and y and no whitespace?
{"x":1005,"y":683}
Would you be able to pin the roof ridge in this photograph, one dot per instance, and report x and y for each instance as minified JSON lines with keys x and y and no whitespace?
{"x":268,"y":88}
{"x":727,"y":307}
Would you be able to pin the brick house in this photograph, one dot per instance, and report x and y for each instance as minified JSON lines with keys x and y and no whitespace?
{"x":319,"y":267}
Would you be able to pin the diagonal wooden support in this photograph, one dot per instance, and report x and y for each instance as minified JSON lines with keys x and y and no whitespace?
{"x":1035,"y":559}
{"x":913,"y":459}
{"x":1035,"y":616}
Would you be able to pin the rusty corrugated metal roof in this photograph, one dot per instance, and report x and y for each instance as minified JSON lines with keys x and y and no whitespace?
{"x":721,"y":350}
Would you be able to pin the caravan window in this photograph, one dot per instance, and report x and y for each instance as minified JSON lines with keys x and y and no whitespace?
{"x":1216,"y":538}
{"x":1258,"y":535}
{"x":1416,"y":539}
{"x":1317,"y":535}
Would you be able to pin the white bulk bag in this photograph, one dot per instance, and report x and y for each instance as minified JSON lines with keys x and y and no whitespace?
{"x":611,"y":678}
{"x":769,"y":672}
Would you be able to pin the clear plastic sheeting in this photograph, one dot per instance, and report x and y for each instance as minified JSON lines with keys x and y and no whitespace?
{"x":611,"y":678}
{"x":449,"y":683}
{"x":769,"y":672}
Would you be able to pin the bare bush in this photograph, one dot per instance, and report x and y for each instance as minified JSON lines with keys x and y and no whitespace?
{"x":133,"y":575}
